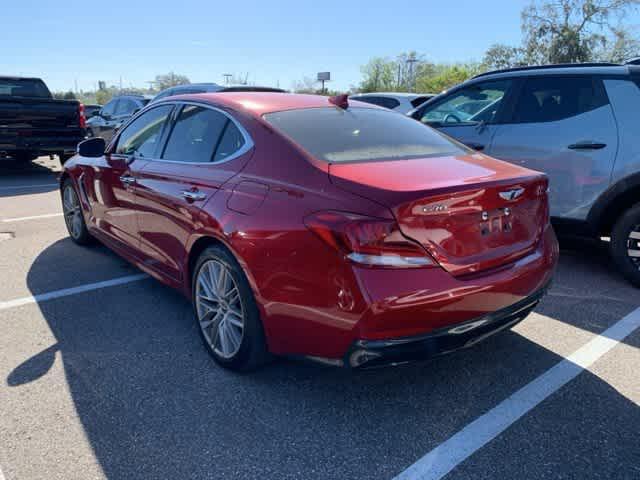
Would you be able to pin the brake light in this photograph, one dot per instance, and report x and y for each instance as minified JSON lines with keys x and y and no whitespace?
{"x":82,"y":120}
{"x":367,"y":240}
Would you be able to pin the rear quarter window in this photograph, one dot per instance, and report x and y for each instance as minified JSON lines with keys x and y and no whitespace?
{"x":361,"y":134}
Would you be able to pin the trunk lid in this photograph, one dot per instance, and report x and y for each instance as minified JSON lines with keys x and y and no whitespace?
{"x":471,"y":213}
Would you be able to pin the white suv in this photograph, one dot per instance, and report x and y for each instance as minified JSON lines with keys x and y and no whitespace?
{"x":578,"y":124}
{"x":398,"y":101}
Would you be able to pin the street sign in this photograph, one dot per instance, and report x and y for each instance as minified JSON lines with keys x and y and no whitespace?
{"x":324,"y":76}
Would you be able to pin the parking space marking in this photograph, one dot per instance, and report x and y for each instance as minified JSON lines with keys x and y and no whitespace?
{"x":33,"y":217}
{"x":43,"y":297}
{"x":19,"y":187}
{"x":1,"y":474}
{"x":446,"y":456}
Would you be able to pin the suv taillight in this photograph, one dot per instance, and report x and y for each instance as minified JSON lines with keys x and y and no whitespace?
{"x":367,"y":240}
{"x":82,"y":121}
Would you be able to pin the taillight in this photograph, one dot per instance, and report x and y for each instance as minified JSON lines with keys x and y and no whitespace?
{"x":366,"y":240}
{"x":82,"y":120}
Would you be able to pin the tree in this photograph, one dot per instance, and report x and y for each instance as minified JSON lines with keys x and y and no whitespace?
{"x":500,"y":56}
{"x":379,"y":75}
{"x":170,"y":79}
{"x":569,"y":31}
{"x":446,"y":76}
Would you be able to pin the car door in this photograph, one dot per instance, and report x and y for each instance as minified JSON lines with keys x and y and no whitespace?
{"x":563,"y":126}
{"x":470,"y":114}
{"x":100,"y":126}
{"x":112,"y":181}
{"x":204,"y":149}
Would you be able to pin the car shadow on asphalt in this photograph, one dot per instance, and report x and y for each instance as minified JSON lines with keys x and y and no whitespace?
{"x":14,"y":172}
{"x":154,"y":405}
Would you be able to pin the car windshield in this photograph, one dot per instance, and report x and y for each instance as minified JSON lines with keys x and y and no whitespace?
{"x":24,"y":87}
{"x":361,"y":134}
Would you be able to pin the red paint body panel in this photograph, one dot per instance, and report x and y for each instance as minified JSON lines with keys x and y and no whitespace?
{"x":312,"y":300}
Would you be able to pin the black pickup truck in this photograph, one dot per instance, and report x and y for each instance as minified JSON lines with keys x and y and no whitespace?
{"x":33,"y":123}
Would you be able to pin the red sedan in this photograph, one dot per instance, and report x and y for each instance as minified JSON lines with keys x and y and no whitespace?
{"x":306,"y":226}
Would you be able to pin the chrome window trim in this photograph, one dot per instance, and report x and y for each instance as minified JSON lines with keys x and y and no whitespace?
{"x":248,"y":141}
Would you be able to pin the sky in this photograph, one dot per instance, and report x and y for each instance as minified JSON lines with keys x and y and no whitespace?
{"x":275,"y":42}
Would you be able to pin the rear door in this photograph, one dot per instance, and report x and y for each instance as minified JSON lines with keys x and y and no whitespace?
{"x":469,"y":114}
{"x":204,"y":149}
{"x":563,"y":126}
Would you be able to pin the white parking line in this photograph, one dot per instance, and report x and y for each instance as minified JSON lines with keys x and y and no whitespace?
{"x":21,"y":187}
{"x":446,"y":456}
{"x":1,"y":474}
{"x":43,"y":297}
{"x":33,"y":217}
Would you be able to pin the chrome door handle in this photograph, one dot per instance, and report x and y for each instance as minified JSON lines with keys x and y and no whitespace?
{"x":127,"y":179}
{"x":193,"y":195}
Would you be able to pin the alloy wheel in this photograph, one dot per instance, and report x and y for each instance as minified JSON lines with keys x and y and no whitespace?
{"x":219,"y":309}
{"x":633,"y":246}
{"x":72,"y":212}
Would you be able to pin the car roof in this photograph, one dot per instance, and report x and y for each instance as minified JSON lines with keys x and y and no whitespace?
{"x":559,"y":69}
{"x":260,"y":103}
{"x":392,"y":94}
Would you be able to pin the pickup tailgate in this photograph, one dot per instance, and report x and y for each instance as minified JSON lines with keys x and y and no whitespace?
{"x":471,"y":213}
{"x":28,"y":120}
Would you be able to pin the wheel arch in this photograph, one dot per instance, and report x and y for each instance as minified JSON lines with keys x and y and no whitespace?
{"x":618,"y":198}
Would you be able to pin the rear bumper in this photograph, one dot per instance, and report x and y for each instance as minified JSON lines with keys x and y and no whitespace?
{"x":39,"y":144}
{"x":375,"y":353}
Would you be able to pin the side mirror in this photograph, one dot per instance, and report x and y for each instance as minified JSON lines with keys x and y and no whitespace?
{"x":92,"y":147}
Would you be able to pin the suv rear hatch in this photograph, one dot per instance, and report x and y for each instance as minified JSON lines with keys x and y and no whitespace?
{"x":471,"y":213}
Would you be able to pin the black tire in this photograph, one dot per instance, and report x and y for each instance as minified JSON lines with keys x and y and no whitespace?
{"x":25,"y":157}
{"x":90,"y":133}
{"x":77,"y":231}
{"x":621,"y":243}
{"x":252,"y":352}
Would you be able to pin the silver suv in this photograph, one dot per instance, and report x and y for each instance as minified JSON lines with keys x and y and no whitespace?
{"x":577,"y":123}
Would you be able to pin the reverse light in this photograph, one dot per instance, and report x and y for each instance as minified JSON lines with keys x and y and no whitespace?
{"x":368,"y":241}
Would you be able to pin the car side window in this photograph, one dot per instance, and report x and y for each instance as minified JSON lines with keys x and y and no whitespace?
{"x":231,"y":141}
{"x":110,"y":108}
{"x":142,"y":136}
{"x":195,"y":135}
{"x":125,"y":107}
{"x":385,"y":102}
{"x":473,"y":104}
{"x":550,"y":99}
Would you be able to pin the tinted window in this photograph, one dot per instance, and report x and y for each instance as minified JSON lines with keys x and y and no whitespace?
{"x":360,"y":134}
{"x":231,"y":141}
{"x":126,"y":107}
{"x":24,"y":87}
{"x":479,"y":102}
{"x":416,"y":102}
{"x":110,"y":107}
{"x":549,"y":99}
{"x":142,"y":136}
{"x":195,"y":135}
{"x":385,"y":102}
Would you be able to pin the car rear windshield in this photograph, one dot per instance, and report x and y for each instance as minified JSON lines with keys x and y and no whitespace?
{"x":361,"y":134}
{"x":24,"y":87}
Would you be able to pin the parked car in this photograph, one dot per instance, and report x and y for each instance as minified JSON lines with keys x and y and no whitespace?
{"x":90,"y":108}
{"x":210,"y":88}
{"x":33,"y":123}
{"x":106,"y":121}
{"x":358,"y":240}
{"x":578,"y":124}
{"x":398,"y":101}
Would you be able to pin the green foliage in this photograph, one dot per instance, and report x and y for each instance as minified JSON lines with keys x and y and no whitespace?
{"x":443,"y":77}
{"x":64,"y":95}
{"x":170,"y":79}
{"x":500,"y":56}
{"x":569,"y":31}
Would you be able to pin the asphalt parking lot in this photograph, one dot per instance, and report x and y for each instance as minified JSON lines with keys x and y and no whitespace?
{"x":102,"y":379}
